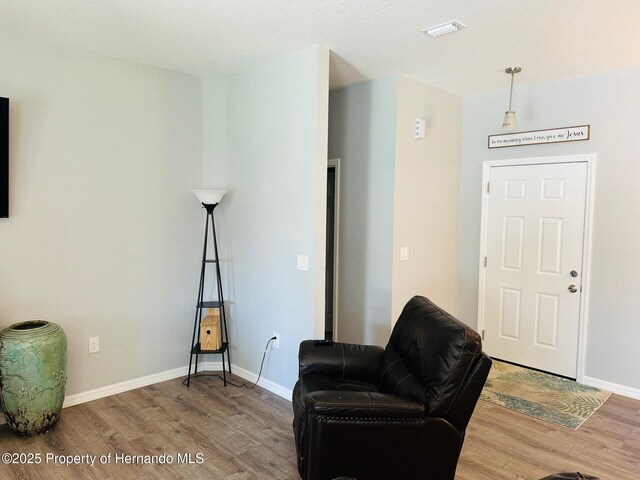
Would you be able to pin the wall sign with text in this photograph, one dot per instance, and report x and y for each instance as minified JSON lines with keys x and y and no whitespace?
{"x":535,"y":137}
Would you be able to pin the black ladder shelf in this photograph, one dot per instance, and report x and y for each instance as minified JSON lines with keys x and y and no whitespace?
{"x":202,"y":304}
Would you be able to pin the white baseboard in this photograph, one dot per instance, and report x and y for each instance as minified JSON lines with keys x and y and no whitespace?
{"x":264,"y":383}
{"x":624,"y":390}
{"x":250,"y":377}
{"x":125,"y":386}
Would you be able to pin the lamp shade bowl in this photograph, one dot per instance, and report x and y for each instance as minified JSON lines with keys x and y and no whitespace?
{"x":209,"y":197}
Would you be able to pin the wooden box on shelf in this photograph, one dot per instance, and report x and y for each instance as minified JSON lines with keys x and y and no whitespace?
{"x":210,"y":331}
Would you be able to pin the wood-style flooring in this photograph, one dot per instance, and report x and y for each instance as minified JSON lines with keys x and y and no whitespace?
{"x":246,"y":434}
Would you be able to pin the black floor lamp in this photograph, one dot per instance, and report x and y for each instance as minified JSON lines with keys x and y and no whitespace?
{"x":200,"y":343}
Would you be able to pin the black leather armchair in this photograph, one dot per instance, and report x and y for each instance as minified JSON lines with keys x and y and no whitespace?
{"x":401,"y":412}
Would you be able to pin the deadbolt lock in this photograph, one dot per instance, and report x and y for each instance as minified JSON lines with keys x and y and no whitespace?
{"x":573,"y":273}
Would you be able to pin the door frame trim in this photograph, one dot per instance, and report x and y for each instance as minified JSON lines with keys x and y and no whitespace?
{"x":590,"y":160}
{"x":335,"y":162}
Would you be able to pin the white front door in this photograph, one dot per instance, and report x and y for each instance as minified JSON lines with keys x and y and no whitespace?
{"x":534,"y":242}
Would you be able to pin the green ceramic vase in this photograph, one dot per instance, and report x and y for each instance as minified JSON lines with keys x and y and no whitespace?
{"x":33,"y":375}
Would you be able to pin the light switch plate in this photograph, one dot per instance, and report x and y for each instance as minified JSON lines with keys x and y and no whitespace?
{"x":404,"y":253}
{"x":303,"y":263}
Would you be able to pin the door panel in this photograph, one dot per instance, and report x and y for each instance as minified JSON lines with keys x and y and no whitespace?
{"x":534,"y":229}
{"x":513,"y":242}
{"x":547,"y":311}
{"x":510,"y":313}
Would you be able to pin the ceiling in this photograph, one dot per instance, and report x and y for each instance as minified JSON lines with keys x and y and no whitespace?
{"x":550,"y":39}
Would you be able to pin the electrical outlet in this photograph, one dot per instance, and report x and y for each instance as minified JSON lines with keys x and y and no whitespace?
{"x":94,"y":344}
{"x":276,"y":342}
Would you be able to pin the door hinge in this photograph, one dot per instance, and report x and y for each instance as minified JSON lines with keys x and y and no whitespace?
{"x":483,"y":333}
{"x":488,"y":187}
{"x":485,"y":262}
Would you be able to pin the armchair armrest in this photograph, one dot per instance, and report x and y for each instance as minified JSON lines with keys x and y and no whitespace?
{"x":362,"y":405}
{"x":341,"y":360}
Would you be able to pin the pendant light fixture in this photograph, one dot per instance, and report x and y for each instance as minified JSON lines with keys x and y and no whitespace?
{"x":509,"y":122}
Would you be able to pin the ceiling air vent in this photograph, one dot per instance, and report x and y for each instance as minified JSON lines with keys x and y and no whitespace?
{"x":443,"y":28}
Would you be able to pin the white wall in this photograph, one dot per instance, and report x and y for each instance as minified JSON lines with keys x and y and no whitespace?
{"x":609,"y":103}
{"x":103,"y":235}
{"x":427,"y":178}
{"x":275,"y":172}
{"x":215,"y":141}
{"x":362,"y":131}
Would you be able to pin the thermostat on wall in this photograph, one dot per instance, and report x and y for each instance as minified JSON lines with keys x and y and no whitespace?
{"x":418,"y":130}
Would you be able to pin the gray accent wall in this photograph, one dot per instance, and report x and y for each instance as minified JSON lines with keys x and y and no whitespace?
{"x":104,"y":233}
{"x":610,"y":104}
{"x":395,"y":191}
{"x":362,"y":127}
{"x":273,"y":162}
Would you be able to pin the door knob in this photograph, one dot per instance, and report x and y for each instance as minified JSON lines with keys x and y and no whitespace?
{"x":573,"y":288}
{"x":573,"y":273}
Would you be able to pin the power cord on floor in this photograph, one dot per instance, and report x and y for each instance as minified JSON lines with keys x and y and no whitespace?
{"x":241,"y":385}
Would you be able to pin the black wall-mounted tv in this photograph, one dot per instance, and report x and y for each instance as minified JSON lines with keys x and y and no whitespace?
{"x":4,"y":157}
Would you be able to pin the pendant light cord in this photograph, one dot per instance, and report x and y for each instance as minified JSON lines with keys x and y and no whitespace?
{"x":511,"y":91}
